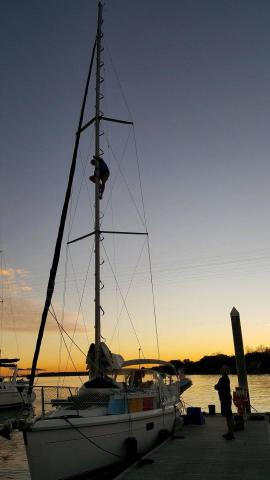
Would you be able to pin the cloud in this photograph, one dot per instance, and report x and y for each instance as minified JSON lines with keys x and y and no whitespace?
{"x":14,"y":280}
{"x":22,"y":314}
{"x":4,"y":273}
{"x":13,"y":273}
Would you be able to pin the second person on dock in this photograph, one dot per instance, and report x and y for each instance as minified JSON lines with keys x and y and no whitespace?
{"x":224,"y":392}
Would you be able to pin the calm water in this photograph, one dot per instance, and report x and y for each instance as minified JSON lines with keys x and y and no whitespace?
{"x":13,"y":463}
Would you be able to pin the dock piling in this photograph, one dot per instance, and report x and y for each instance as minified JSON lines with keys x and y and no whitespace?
{"x":239,"y":353}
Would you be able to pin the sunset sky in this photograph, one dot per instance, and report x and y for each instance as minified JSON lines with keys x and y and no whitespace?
{"x":194,"y":76}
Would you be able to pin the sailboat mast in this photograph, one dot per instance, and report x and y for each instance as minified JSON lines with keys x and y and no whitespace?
{"x":97,"y":200}
{"x":57,"y":250}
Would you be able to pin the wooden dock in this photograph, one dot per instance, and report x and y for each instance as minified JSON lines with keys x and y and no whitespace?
{"x":203,"y":454}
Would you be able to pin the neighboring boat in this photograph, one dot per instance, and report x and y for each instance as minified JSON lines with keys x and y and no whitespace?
{"x":126,"y":406}
{"x":13,"y":390}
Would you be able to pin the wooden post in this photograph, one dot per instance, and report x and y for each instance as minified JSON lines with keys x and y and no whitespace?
{"x":239,"y":353}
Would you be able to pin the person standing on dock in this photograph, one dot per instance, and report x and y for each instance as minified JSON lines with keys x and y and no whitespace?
{"x":224,"y":392}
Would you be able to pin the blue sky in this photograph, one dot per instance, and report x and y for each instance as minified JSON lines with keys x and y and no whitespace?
{"x":195,"y":77}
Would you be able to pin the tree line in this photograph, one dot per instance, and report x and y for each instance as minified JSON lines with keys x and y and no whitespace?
{"x":257,"y":362}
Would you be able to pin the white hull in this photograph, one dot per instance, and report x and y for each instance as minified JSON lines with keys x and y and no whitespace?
{"x":59,"y":449}
{"x":10,"y":396}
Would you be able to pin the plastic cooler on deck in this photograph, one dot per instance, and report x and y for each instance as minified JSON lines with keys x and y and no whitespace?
{"x":195,"y":415}
{"x":135,"y":405}
{"x":117,"y":406}
{"x":148,"y":403}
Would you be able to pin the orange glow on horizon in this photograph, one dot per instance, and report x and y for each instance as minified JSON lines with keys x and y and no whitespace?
{"x":49,"y":364}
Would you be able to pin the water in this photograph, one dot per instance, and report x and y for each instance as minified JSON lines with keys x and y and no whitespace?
{"x":202,"y":393}
{"x":13,"y":463}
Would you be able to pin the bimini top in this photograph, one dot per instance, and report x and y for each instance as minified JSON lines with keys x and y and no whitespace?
{"x":146,"y":361}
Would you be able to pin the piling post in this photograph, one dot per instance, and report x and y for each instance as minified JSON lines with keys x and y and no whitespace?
{"x":239,"y":353}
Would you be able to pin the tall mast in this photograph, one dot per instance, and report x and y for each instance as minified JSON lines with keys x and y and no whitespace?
{"x":97,"y":201}
{"x":57,"y":250}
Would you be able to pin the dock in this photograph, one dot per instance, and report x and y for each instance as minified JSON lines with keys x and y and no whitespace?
{"x":201,"y":453}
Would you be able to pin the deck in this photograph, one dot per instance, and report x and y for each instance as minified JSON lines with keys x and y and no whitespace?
{"x":203,"y":454}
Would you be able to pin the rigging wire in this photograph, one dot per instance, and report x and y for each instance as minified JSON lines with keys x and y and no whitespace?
{"x":186,"y":264}
{"x":59,"y":240}
{"x":172,"y":274}
{"x":83,"y":290}
{"x":148,"y":244}
{"x":59,"y":325}
{"x":63,"y":306}
{"x":83,"y":179}
{"x":123,"y":176}
{"x":123,"y":300}
{"x":87,"y":186}
{"x":118,"y":79}
{"x":216,"y":263}
{"x":67,"y":256}
{"x":53,"y":314}
{"x":142,"y":197}
{"x":115,"y":269}
{"x":81,"y":299}
{"x":127,"y":292}
{"x":65,"y":278}
{"x":71,"y":222}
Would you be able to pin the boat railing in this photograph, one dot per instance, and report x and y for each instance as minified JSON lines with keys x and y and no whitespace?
{"x":49,"y":398}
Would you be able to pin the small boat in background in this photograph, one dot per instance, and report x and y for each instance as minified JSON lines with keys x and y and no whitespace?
{"x":13,"y":390}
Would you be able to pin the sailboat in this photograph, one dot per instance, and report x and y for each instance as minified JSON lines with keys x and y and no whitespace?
{"x":13,"y":390}
{"x":126,"y":406}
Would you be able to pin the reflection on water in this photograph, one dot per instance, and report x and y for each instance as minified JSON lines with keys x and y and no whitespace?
{"x":13,"y":463}
{"x":202,"y":393}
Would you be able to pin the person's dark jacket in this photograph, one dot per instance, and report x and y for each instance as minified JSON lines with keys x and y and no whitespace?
{"x":223,"y":388}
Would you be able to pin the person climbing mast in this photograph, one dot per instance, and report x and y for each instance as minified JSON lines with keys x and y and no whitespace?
{"x":104,"y":174}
